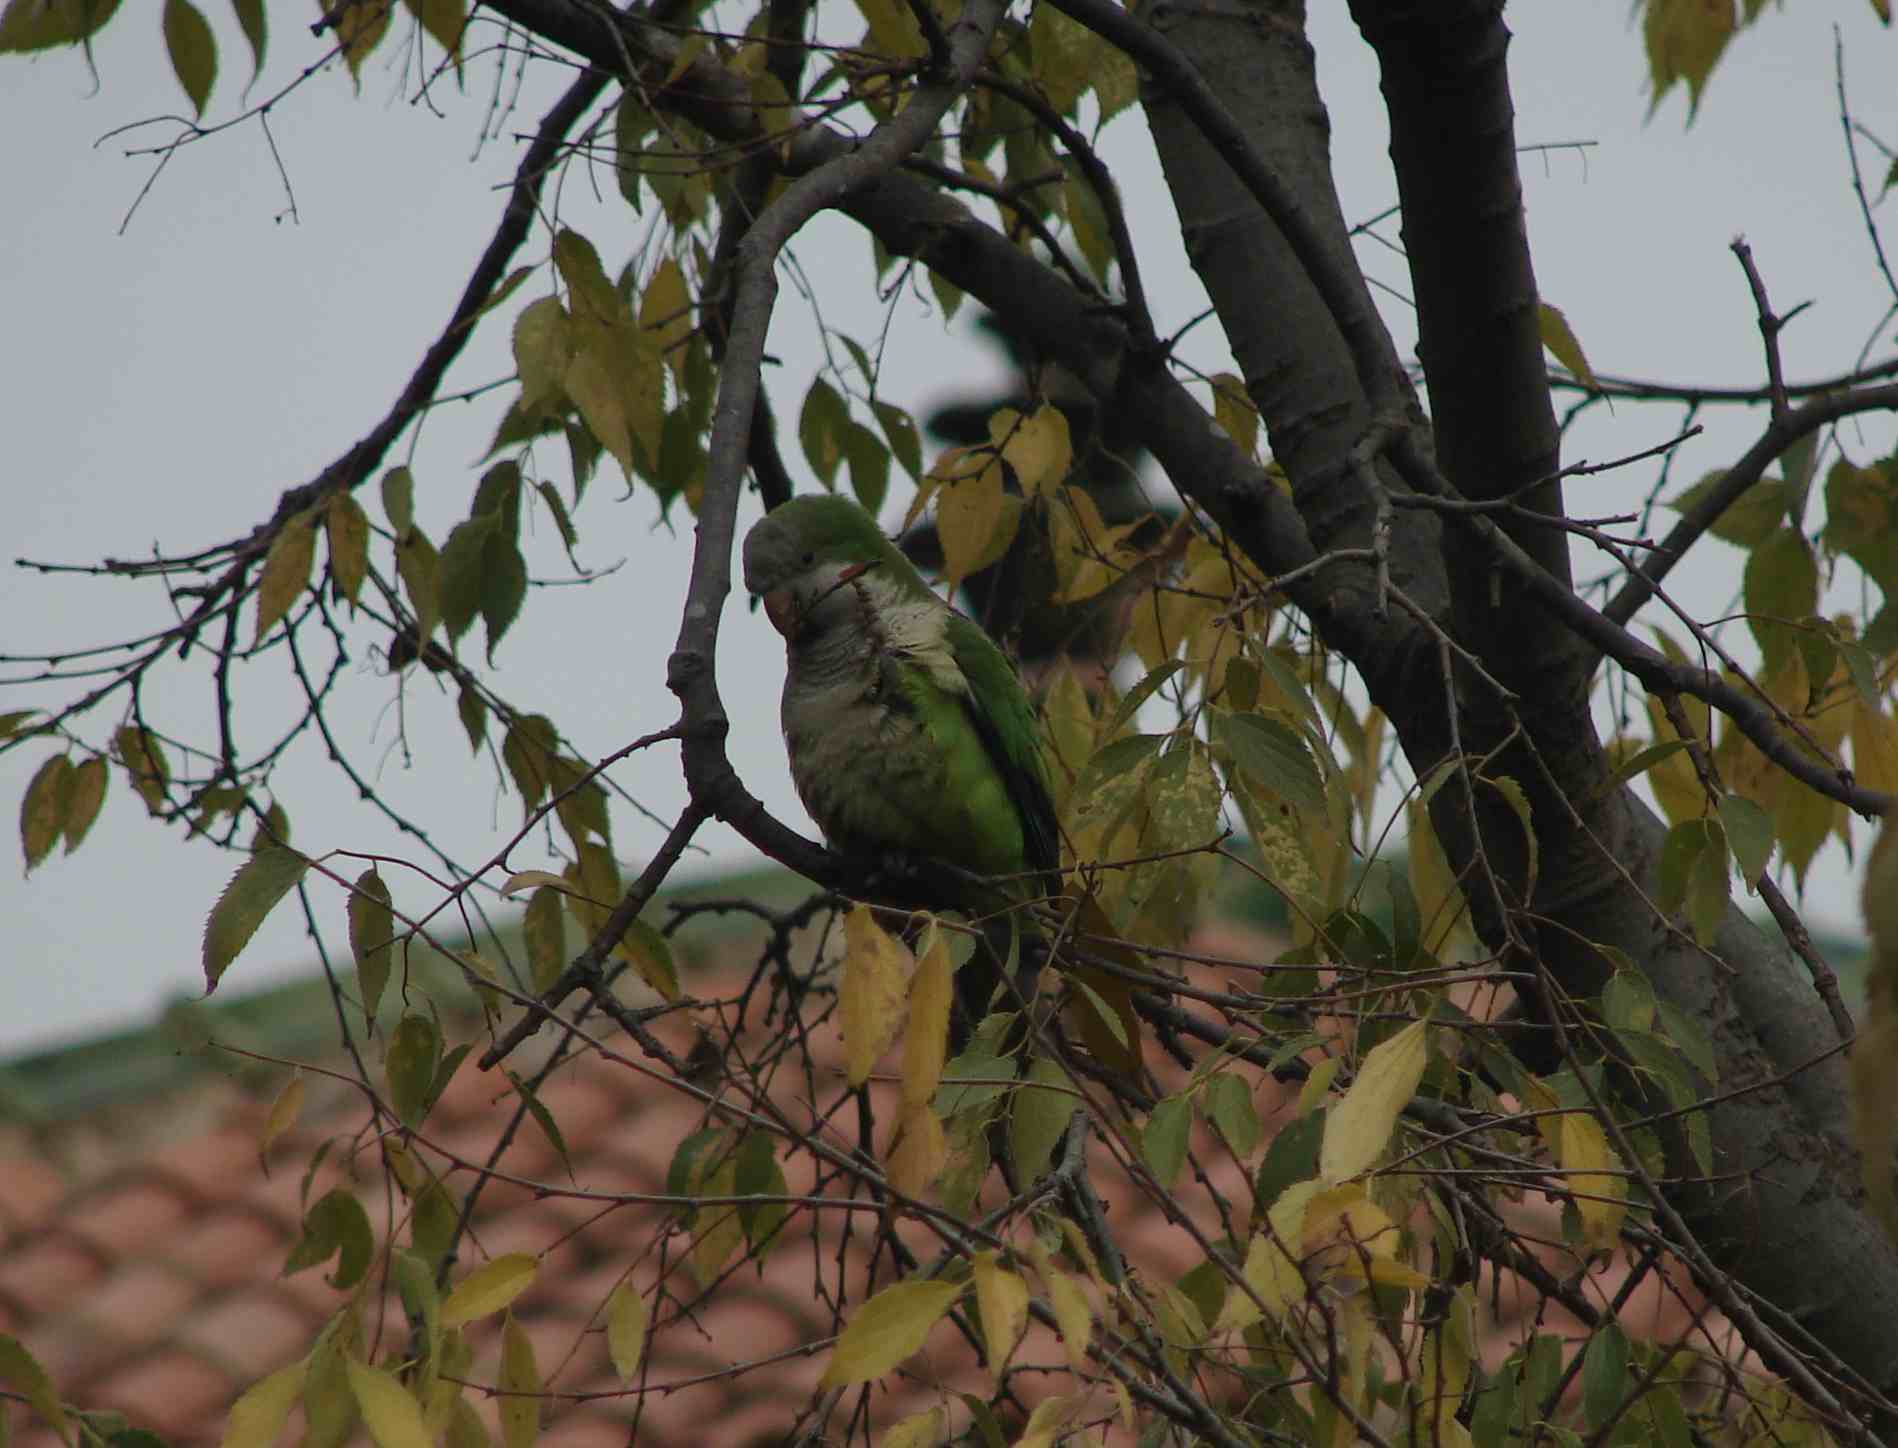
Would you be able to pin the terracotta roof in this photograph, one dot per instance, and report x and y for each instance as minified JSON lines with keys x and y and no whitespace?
{"x":140,"y":1254}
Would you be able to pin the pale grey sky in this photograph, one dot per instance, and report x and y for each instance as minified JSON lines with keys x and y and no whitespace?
{"x":168,"y":383}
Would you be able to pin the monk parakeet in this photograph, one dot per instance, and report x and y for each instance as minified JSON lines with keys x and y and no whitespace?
{"x":908,"y":730}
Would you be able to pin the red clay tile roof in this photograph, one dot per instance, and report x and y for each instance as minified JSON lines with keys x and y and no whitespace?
{"x":147,"y":1279}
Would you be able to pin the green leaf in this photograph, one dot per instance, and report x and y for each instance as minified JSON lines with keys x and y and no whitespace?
{"x":463,"y":563}
{"x":1693,"y":875}
{"x":260,"y":882}
{"x":398,"y":500}
{"x":543,"y":346}
{"x":1273,"y":754}
{"x":1781,"y":587}
{"x":22,"y":1372}
{"x":869,"y":459}
{"x":336,"y":1226}
{"x":905,"y":444}
{"x":1604,"y":1374}
{"x":415,"y":1048}
{"x":543,"y":1118}
{"x":1039,"y":1112}
{"x":1227,"y":1102}
{"x":193,"y":50}
{"x":250,"y":19}
{"x":1164,"y":1140}
{"x":1749,"y":835}
{"x":1749,"y":519}
{"x":821,"y":425}
{"x":1141,"y":692}
{"x":371,"y":938}
{"x":1512,"y":794}
{"x":420,"y":568}
{"x":1640,"y":762}
{"x":758,"y":1174}
{"x":40,"y":24}
{"x":474,"y":717}
{"x":1113,"y":760}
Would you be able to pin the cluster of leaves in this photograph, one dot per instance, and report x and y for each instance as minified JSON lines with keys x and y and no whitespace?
{"x":1338,"y":1252}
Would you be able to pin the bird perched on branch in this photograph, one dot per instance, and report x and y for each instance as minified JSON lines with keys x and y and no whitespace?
{"x":908,"y":731}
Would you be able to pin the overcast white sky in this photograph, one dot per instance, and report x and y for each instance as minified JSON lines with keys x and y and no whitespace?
{"x":166,"y":384}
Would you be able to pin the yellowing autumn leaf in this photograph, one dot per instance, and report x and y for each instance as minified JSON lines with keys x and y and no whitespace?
{"x":926,"y":1038}
{"x":1037,"y":447}
{"x":1593,"y":1173}
{"x":887,"y":1329}
{"x":1001,"y":1299}
{"x":489,"y":1288}
{"x":1359,"y":1127}
{"x":876,"y":972}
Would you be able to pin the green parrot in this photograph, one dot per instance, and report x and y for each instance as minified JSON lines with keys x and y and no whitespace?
{"x":908,"y":731}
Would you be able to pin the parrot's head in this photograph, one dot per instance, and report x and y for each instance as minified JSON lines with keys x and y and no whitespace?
{"x":801,"y":557}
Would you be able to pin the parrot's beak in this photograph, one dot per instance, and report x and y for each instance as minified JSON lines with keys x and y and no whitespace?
{"x":781,"y":608}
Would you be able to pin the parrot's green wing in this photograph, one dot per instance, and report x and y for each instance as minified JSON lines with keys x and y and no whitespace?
{"x":1005,"y":719}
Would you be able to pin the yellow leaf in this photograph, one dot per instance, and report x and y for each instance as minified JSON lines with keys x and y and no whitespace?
{"x":886,"y":1330}
{"x":286,"y":572}
{"x":259,"y":1415}
{"x":926,"y":1429}
{"x":1874,"y":748}
{"x":718,"y":1230}
{"x":926,"y":1037}
{"x":976,"y":521}
{"x":144,"y":761}
{"x":444,"y":20}
{"x":359,"y":29}
{"x":876,"y":970}
{"x":1560,"y":339}
{"x":43,"y":809}
{"x":1318,"y":1084}
{"x":920,"y":1152}
{"x":1685,"y":39}
{"x":1001,"y":1299}
{"x":1233,"y":410}
{"x":520,"y":1387}
{"x":348,"y":529}
{"x":666,"y":312}
{"x":627,"y":1318}
{"x":1271,"y":1268}
{"x":530,"y":879}
{"x":1359,"y":1127}
{"x":420,"y":568}
{"x":283,"y":1113}
{"x":1593,"y":1172}
{"x":1072,"y":1312}
{"x":393,"y":1416}
{"x":489,"y":1288}
{"x":1050,"y":1417}
{"x":1037,"y":447}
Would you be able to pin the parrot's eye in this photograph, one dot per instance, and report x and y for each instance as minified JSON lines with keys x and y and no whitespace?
{"x":810,"y":557}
